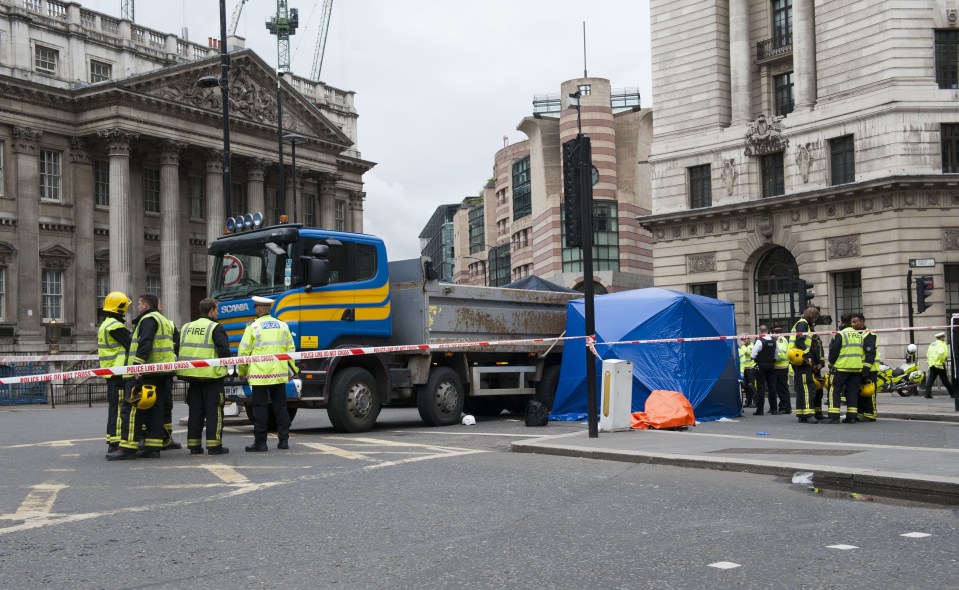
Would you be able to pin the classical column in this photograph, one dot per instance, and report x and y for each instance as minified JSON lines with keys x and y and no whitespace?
{"x":171,"y":246}
{"x":740,"y":62}
{"x":256,"y":199}
{"x":328,"y":201}
{"x":81,"y":166}
{"x":300,"y":172}
{"x":215,"y":214}
{"x":26,"y":156}
{"x":121,"y":220}
{"x":356,"y":211}
{"x":804,"y":54}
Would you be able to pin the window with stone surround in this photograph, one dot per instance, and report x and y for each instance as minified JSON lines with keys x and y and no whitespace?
{"x":784,"y":94}
{"x":3,"y":292}
{"x":154,"y":285}
{"x":49,"y":175}
{"x":272,"y":213}
{"x":197,"y":197}
{"x":101,"y":183}
{"x":477,"y":230}
{"x":949,"y":135}
{"x":45,"y":59}
{"x":499,"y":266}
{"x":103,"y":288}
{"x":773,"y":175}
{"x":782,"y":22}
{"x":309,"y":210}
{"x":151,"y":190}
{"x":947,"y":58}
{"x":238,"y":200}
{"x":705,"y":289}
{"x":700,"y":187}
{"x":952,"y":289}
{"x":522,"y":192}
{"x":100,"y":71}
{"x":843,"y":160}
{"x":848,"y":292}
{"x":339,"y":215}
{"x":2,"y":151}
{"x":52,"y":294}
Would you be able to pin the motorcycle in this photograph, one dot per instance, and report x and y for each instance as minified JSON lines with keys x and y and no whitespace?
{"x":904,"y":379}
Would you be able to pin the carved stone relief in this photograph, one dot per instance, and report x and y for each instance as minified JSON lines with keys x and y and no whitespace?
{"x":844,"y":247}
{"x":950,"y":239}
{"x":765,"y":136}
{"x":729,"y":176}
{"x":813,"y":212}
{"x":56,"y":257}
{"x":701,"y":262}
{"x":804,"y":161}
{"x":25,"y":140}
{"x":766,"y":226}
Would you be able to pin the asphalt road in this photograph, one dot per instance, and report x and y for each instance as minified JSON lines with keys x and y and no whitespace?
{"x":406,"y":506}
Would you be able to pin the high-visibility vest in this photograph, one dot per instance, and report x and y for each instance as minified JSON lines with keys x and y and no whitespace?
{"x":745,"y":358}
{"x":936,"y":354}
{"x":782,"y":348}
{"x":851,"y":353}
{"x":162,"y":341}
{"x":111,"y":352}
{"x":266,"y":335}
{"x":196,"y":343}
{"x":875,"y":362}
{"x":807,"y":339}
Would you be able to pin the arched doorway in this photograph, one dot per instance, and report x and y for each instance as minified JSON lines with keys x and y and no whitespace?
{"x":598,"y":288}
{"x":775,"y":283}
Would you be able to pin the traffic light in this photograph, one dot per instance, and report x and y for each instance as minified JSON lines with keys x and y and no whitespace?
{"x":572,"y":197}
{"x":924,"y":286}
{"x":806,"y":294}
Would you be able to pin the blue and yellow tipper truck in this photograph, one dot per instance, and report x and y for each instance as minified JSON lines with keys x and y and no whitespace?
{"x":337,"y":290}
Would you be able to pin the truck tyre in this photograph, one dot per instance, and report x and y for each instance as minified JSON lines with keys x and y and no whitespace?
{"x":354,"y":402}
{"x":440,"y":401}
{"x":546,"y":387}
{"x":271,"y":416}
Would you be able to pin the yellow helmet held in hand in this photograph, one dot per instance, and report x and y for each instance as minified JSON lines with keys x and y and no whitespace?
{"x":143,"y":396}
{"x":868,"y":389}
{"x":795,"y":356}
{"x":817,"y":381}
{"x":116,"y":302}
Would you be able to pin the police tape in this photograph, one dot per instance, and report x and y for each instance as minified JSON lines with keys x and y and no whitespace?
{"x":591,"y":344}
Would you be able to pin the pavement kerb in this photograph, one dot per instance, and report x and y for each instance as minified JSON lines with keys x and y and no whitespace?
{"x":941,"y":489}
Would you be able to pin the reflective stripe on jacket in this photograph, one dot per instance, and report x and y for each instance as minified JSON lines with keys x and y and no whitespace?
{"x":111,"y":352}
{"x":266,"y":335}
{"x":162,"y":351}
{"x":851,"y":354}
{"x":196,"y":343}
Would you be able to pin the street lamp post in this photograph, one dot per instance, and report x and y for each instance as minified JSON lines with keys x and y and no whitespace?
{"x":293,"y":139}
{"x":224,"y":83}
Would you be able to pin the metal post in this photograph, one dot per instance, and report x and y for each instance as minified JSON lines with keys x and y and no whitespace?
{"x":293,"y":158}
{"x":225,"y":92}
{"x":586,"y":195}
{"x":281,"y":190}
{"x":912,"y":335}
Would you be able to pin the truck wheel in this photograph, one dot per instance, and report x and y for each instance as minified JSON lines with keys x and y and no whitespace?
{"x":440,"y":401}
{"x":486,"y":406}
{"x":546,"y":387}
{"x":354,"y":403}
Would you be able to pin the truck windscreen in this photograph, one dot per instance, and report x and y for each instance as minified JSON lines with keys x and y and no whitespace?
{"x":250,"y":269}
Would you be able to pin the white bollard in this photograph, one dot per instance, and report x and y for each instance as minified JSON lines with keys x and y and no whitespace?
{"x":615,"y":411}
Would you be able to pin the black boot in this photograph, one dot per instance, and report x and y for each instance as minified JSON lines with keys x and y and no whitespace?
{"x":196,"y":450}
{"x":283,"y":444}
{"x":257,"y":448}
{"x":114,"y":447}
{"x":219,"y":450}
{"x":122,"y":455}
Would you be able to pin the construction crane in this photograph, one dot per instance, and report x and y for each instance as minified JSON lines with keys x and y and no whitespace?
{"x":235,"y":19}
{"x":283,"y":25}
{"x":321,"y":40}
{"x":126,"y":10}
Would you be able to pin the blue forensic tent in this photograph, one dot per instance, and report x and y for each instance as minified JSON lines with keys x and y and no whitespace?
{"x":707,"y":372}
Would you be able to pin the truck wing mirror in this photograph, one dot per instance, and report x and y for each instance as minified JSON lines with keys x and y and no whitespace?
{"x":317,"y":272}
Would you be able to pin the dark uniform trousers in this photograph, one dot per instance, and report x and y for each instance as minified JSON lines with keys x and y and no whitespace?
{"x":749,"y":386}
{"x":845,"y":384}
{"x":205,"y":399}
{"x":167,"y":399}
{"x":277,"y":395}
{"x":146,"y":424}
{"x":868,"y":407}
{"x":766,"y":387}
{"x":114,"y":392}
{"x":805,"y":391}
{"x":782,"y":389}
{"x":817,"y":401}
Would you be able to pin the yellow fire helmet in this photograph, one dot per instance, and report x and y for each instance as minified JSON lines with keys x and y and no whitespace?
{"x":817,"y":381}
{"x":143,"y":396}
{"x":868,"y":389}
{"x":116,"y":302}
{"x":795,"y":356}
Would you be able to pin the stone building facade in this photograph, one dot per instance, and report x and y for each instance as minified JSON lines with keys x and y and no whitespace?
{"x":801,"y":140}
{"x":111,"y":165}
{"x":514,"y":228}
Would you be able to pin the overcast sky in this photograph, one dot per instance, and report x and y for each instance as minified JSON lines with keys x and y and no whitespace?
{"x":438,"y":82}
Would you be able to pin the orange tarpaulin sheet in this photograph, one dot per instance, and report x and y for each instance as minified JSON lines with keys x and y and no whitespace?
{"x":665,"y":409}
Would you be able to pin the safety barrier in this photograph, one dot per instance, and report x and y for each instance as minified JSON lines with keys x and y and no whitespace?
{"x":341,"y":352}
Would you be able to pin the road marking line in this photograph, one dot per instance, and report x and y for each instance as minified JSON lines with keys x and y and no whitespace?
{"x":789,"y":440}
{"x":469,"y":433}
{"x":915,"y":535}
{"x":226,"y":473}
{"x":842,"y":547}
{"x":338,"y":452}
{"x":724,"y":565}
{"x":38,"y":504}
